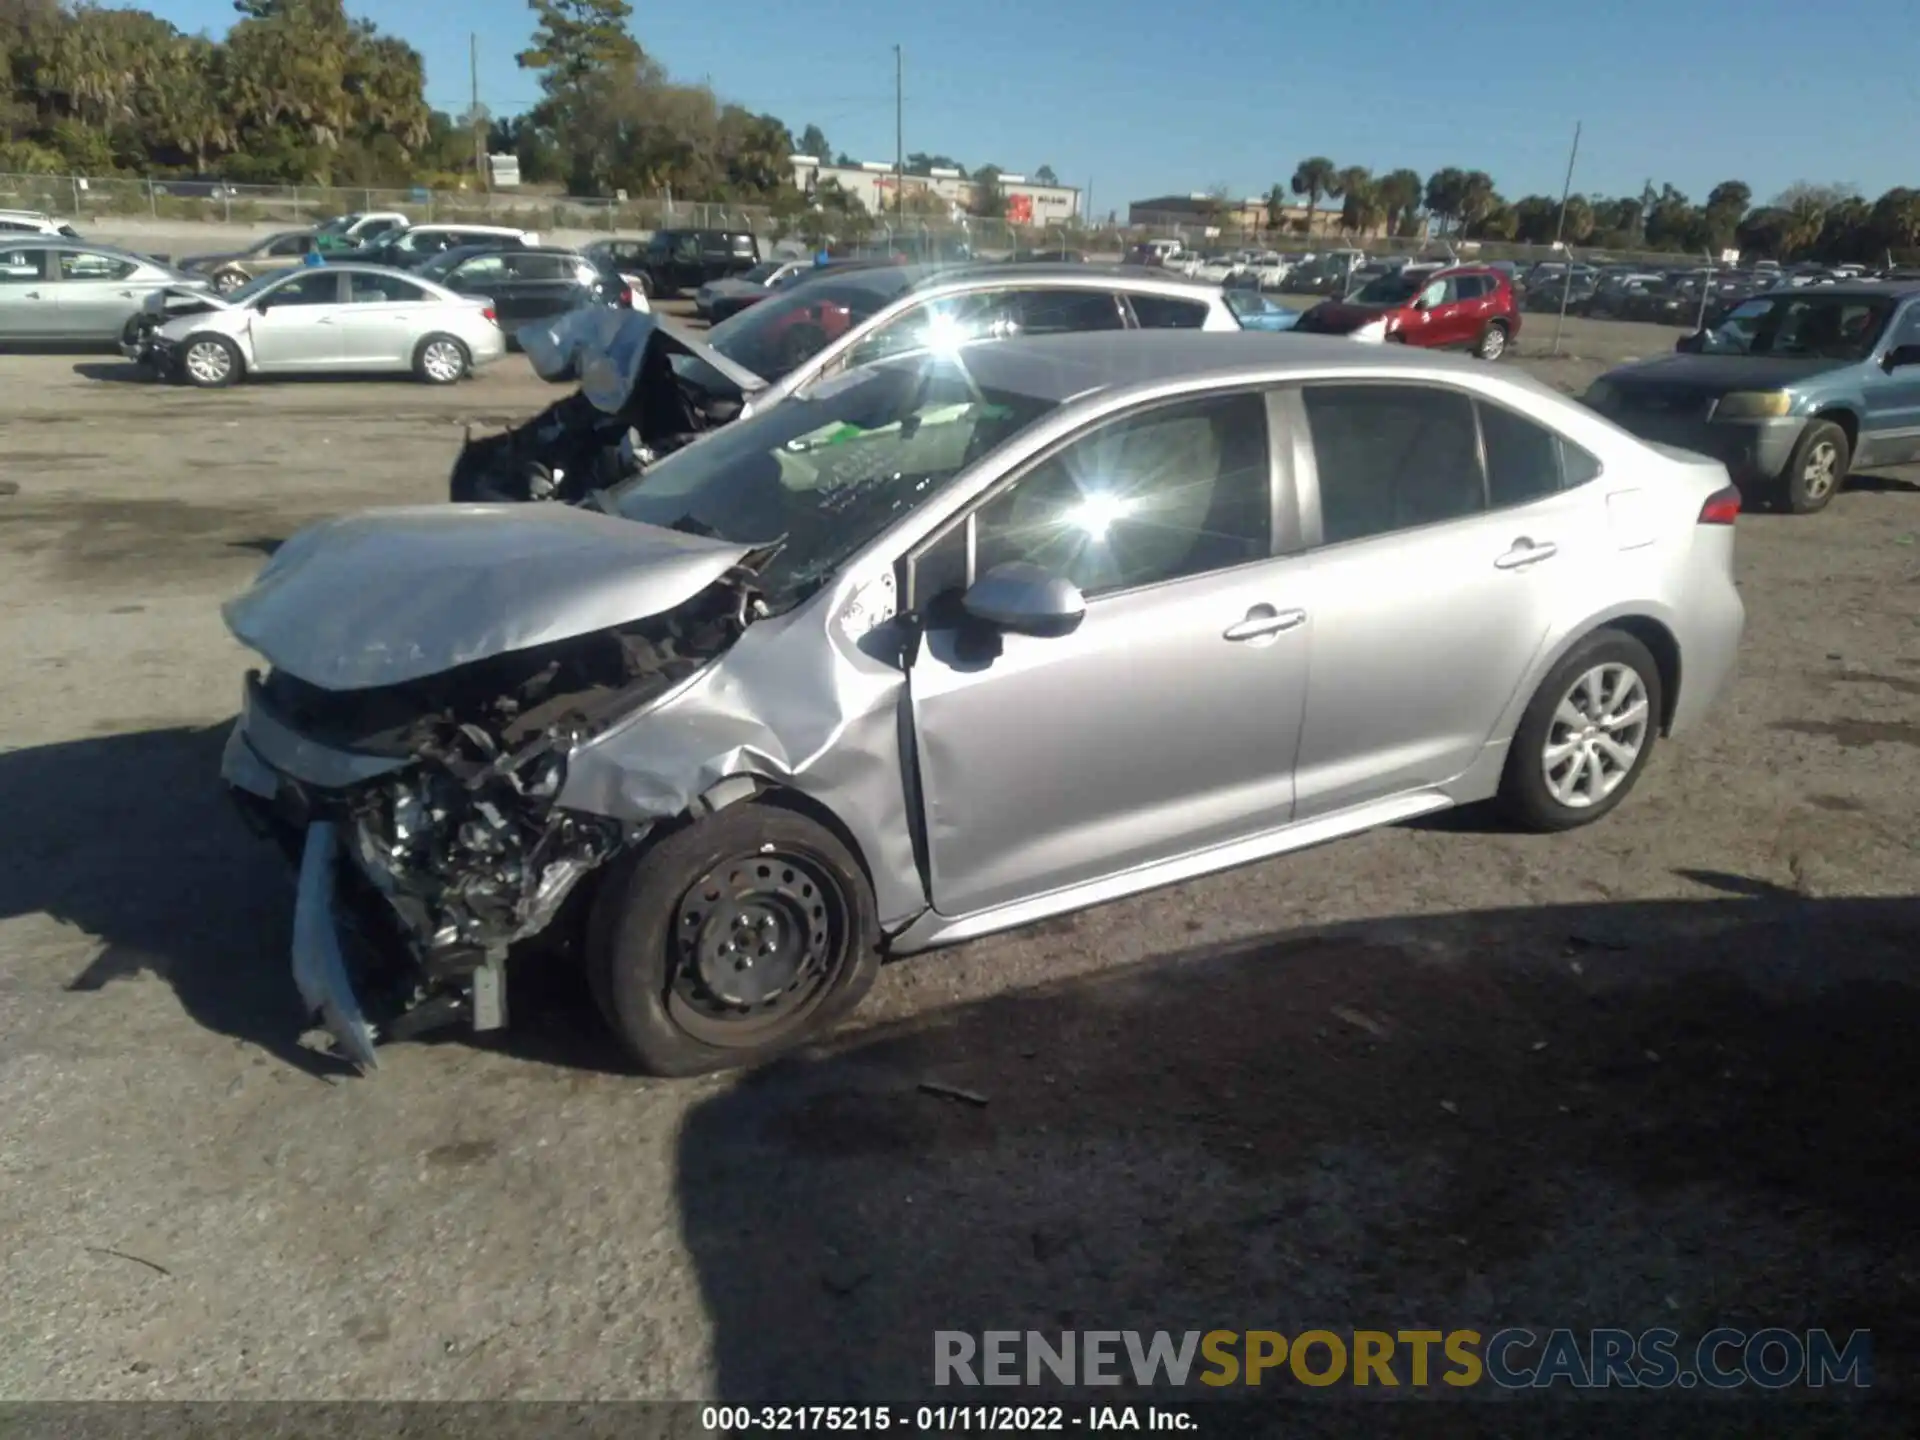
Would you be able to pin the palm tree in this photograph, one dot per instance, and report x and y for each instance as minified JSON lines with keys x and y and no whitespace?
{"x":1361,"y":212}
{"x":1398,"y":193}
{"x":1313,"y":178}
{"x":1477,"y":198}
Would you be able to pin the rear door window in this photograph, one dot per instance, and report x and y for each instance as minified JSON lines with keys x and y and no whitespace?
{"x":1063,"y":312}
{"x":363,"y":289}
{"x":86,"y":265}
{"x":540,"y":267}
{"x":1392,"y":457}
{"x":1163,"y":312}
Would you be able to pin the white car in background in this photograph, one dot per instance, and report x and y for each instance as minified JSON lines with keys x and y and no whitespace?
{"x":35,"y":222}
{"x":321,"y":319}
{"x":1216,"y":269}
{"x":1269,"y":269}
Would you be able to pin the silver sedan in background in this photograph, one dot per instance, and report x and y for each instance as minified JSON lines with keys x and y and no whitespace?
{"x":320,"y":319}
{"x":951,"y":644}
{"x":73,"y":291}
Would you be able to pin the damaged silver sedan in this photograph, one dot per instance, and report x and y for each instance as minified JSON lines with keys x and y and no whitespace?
{"x":945,"y":646}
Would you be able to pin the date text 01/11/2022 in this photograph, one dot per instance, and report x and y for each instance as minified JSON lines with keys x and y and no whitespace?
{"x":975,"y":1419}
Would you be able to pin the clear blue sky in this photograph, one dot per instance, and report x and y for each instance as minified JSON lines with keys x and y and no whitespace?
{"x":1147,"y":97}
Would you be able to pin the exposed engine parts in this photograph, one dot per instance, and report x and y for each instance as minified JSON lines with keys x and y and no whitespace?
{"x":468,"y":847}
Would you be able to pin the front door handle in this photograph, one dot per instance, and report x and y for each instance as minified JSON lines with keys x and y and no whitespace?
{"x":1527,"y":552}
{"x":1263,"y":620}
{"x":31,"y":295}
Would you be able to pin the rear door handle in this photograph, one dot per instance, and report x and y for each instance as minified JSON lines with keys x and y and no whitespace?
{"x":1263,"y":620}
{"x":1527,"y":552}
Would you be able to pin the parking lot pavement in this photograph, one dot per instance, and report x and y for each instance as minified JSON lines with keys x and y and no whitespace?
{"x":1658,"y":1071}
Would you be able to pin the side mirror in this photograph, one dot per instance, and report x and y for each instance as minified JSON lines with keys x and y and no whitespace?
{"x":1026,"y":599}
{"x":1901,"y":356}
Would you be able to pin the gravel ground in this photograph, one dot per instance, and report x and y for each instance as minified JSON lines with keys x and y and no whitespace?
{"x":1658,"y":1071}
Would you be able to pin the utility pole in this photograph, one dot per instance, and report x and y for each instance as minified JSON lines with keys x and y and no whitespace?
{"x":480,"y":171}
{"x":899,"y":137}
{"x":1560,"y":234}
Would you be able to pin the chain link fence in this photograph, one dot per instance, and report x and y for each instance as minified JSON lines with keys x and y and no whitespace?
{"x":98,"y":201}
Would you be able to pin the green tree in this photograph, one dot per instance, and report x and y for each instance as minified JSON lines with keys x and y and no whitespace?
{"x":1399,"y":193}
{"x":1360,"y":206}
{"x":989,"y":200}
{"x":813,"y":141}
{"x":1045,"y":176}
{"x":1445,"y":195}
{"x":1313,"y":177}
{"x":1579,"y":220}
{"x":1276,"y":206}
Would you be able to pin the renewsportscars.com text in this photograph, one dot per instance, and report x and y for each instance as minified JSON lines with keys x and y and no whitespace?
{"x":1513,"y":1358}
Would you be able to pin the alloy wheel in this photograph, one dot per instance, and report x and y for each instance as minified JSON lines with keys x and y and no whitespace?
{"x":1495,"y":344}
{"x":442,"y":361}
{"x":1598,"y":732}
{"x":757,"y":940}
{"x":208,"y":361}
{"x":1821,"y":472}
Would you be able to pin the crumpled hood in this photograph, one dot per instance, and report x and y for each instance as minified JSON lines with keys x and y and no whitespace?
{"x":196,"y":290}
{"x":606,"y":349}
{"x":388,"y":596}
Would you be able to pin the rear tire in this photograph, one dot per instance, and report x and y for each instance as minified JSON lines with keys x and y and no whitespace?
{"x":1586,"y":736}
{"x":1817,"y":468}
{"x":441,"y":360}
{"x":210,"y":362}
{"x":228,"y":281}
{"x":731,"y":941}
{"x":1493,"y":341}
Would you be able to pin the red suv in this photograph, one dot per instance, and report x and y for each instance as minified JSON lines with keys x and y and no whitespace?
{"x":1463,"y":307}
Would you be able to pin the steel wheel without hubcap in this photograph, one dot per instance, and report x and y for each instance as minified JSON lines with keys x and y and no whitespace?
{"x":442,"y":361}
{"x":757,"y":941}
{"x":1821,"y":472}
{"x":1596,"y":735}
{"x":208,"y":362}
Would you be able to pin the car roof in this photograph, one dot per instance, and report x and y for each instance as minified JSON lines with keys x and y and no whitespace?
{"x":1073,"y":274}
{"x":1060,"y":368}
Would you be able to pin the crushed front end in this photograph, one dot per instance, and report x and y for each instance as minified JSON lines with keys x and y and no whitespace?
{"x":422,"y":816}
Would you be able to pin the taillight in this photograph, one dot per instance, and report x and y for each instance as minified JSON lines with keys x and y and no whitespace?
{"x":626,"y":297}
{"x":491,"y":314}
{"x":1722,"y":507}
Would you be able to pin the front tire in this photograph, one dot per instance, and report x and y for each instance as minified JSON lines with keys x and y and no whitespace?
{"x":732,"y":940}
{"x":1586,"y":736}
{"x":1818,"y":467}
{"x":210,"y":362}
{"x":1493,"y":341}
{"x":441,"y":360}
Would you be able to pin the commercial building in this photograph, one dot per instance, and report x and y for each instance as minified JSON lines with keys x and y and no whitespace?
{"x":1203,"y":212}
{"x":873,"y":184}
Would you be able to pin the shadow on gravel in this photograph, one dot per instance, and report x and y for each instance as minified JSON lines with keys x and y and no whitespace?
{"x":116,"y":372}
{"x":1684,"y":1114}
{"x":130,"y":839}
